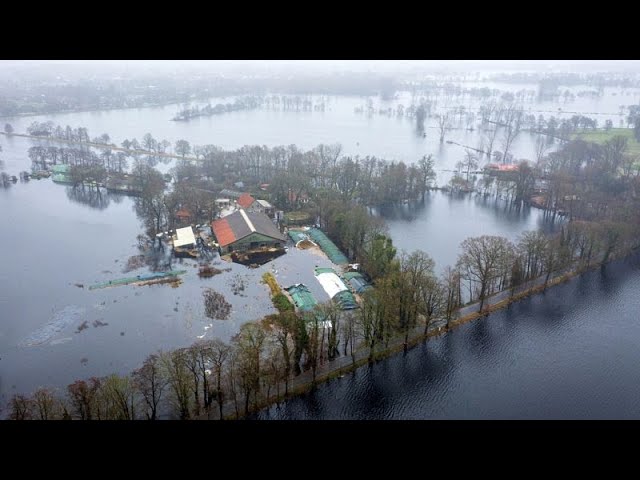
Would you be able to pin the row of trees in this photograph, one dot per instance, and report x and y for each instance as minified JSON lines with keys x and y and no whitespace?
{"x":292,"y":173}
{"x":245,"y":103}
{"x":148,"y":144}
{"x":264,"y":357}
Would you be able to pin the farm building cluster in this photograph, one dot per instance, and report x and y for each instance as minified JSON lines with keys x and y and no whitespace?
{"x":251,"y":232}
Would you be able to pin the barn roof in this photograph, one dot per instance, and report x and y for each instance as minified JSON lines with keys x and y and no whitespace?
{"x":245,"y":200}
{"x":241,"y":224}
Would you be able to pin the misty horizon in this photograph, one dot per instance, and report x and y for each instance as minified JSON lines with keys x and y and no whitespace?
{"x":325,"y":66}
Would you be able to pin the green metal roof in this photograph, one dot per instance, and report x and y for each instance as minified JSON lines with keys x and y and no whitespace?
{"x":345,"y":300}
{"x":327,"y":246}
{"x":350,"y":275}
{"x":302,"y":297}
{"x":297,"y":236}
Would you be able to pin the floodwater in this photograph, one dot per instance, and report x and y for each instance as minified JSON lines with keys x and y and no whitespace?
{"x":50,"y":260}
{"x":443,"y":221}
{"x":55,"y":237}
{"x":571,"y":353}
{"x":393,"y":138}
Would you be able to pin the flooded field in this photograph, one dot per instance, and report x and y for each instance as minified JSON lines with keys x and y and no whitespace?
{"x":58,"y":240}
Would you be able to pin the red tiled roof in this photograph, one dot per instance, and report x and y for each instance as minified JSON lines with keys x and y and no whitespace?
{"x":223,"y":232}
{"x":245,"y":200}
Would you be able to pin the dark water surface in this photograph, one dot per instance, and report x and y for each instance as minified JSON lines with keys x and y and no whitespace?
{"x":444,"y":220}
{"x":572,"y":353}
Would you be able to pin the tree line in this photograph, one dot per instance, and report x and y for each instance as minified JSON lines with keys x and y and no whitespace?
{"x":260,"y":362}
{"x":253,"y":102}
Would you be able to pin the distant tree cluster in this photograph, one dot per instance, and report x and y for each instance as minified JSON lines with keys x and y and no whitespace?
{"x":245,"y":103}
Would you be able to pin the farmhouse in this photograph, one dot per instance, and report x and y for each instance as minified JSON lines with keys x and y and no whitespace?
{"x":243,"y":231}
{"x":263,"y":206}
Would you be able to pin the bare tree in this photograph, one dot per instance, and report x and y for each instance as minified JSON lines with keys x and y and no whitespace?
{"x":250,"y":342}
{"x":150,"y":381}
{"x":282,"y":327}
{"x":368,"y":320}
{"x":21,"y":407}
{"x":513,"y":122}
{"x":316,"y":334}
{"x":332,"y":315}
{"x":542,"y":147}
{"x":348,"y":335}
{"x":443,"y":125}
{"x":409,"y":280}
{"x":421,"y":114}
{"x":149,"y":143}
{"x":483,"y":261}
{"x":119,"y":398}
{"x":179,"y":380}
{"x":219,"y":354}
{"x":47,"y":406}
{"x":427,"y":173}
{"x":432,"y":296}
{"x":82,"y":396}
{"x":489,"y":140}
{"x":183,"y":148}
{"x":469,"y":163}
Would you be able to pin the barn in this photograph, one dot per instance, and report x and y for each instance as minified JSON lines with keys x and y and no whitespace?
{"x":243,"y":231}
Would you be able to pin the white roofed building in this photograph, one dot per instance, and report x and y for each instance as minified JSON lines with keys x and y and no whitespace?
{"x":184,"y":237}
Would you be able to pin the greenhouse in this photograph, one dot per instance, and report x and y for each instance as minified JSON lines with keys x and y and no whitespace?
{"x":357,"y":282}
{"x":327,"y":246}
{"x":302,"y":297}
{"x":336,"y":288}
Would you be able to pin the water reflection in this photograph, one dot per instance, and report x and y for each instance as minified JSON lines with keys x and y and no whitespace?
{"x":92,"y":196}
{"x":407,"y":212}
{"x":444,"y":220}
{"x":500,"y":208}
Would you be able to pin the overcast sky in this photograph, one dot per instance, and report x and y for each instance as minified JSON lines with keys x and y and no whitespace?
{"x":298,"y":66}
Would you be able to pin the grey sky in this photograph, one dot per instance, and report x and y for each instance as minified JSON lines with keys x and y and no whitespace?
{"x":316,"y":66}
